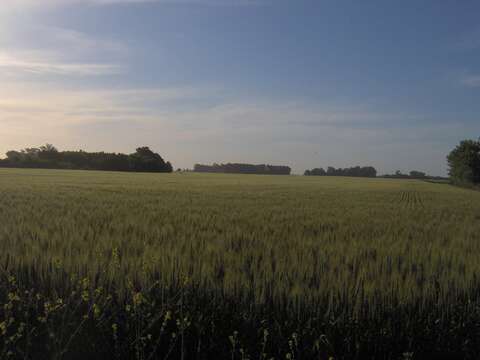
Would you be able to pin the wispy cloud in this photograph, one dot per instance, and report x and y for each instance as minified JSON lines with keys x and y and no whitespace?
{"x":471,"y":80}
{"x":39,"y":64}
{"x":46,"y":50}
{"x":72,"y":41}
{"x":41,"y":4}
{"x":62,"y":106}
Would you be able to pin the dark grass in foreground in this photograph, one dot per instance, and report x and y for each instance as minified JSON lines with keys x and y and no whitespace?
{"x":138,"y":266}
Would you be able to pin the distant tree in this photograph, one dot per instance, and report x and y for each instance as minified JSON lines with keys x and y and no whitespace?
{"x":417,"y":174}
{"x":48,"y":152}
{"x":357,"y":171}
{"x":464,"y":162}
{"x":49,"y":157}
{"x":315,"y":172}
{"x":14,"y":156}
{"x":370,"y":171}
{"x":235,"y":168}
{"x":146,"y":160}
{"x":414,"y":174}
{"x":49,"y":148}
{"x":331,"y":171}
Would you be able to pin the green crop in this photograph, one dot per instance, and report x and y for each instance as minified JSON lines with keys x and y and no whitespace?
{"x":147,"y":266}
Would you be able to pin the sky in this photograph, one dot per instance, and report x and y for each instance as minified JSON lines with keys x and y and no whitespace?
{"x":304,"y":83}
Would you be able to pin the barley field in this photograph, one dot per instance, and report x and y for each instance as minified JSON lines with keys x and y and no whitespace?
{"x":103,"y":265}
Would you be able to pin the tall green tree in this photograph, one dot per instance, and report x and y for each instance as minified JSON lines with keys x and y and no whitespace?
{"x":464,"y":162}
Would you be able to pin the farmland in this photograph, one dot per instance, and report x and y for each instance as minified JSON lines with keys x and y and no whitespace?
{"x":147,"y":266}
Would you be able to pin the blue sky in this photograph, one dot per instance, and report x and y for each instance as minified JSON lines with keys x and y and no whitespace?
{"x":302,"y":83}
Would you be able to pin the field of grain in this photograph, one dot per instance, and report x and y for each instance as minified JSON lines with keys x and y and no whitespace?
{"x":203,"y":266}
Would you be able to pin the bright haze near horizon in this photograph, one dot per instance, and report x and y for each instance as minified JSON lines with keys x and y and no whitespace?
{"x":395,"y":85}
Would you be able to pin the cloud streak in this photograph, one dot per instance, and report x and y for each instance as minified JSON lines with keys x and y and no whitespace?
{"x":44,"y":50}
{"x":42,"y":4}
{"x":471,"y":80}
{"x":37,"y":64}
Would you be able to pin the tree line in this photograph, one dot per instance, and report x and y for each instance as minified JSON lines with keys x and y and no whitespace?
{"x":48,"y":157}
{"x":414,"y":174}
{"x":463,"y":163}
{"x":357,"y":171}
{"x":233,"y":168}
